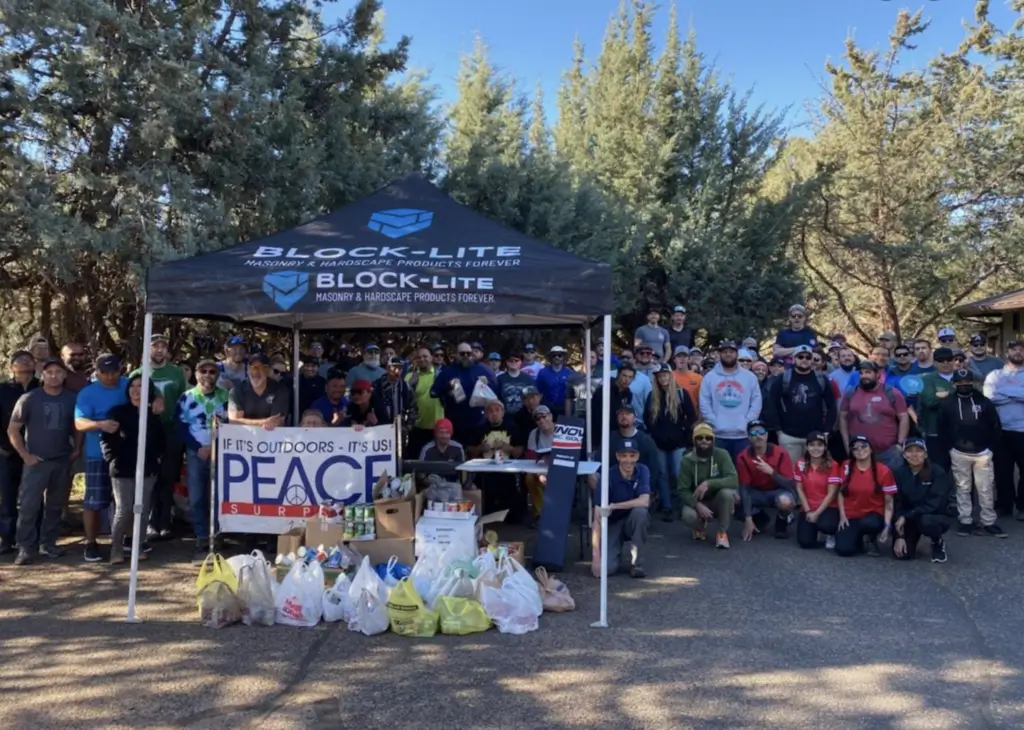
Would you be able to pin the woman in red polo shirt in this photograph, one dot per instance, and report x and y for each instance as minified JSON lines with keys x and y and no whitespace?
{"x":817,"y":479}
{"x":865,"y":501}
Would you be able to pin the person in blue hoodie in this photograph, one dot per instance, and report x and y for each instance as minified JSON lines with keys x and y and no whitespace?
{"x":1005,"y":388}
{"x":730,"y":398}
{"x":455,"y":398}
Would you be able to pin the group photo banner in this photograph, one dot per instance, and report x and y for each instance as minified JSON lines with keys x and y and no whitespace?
{"x":269,"y":482}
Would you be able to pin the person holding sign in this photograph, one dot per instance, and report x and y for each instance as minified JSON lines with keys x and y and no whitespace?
{"x":360,"y":411}
{"x":332,"y":404}
{"x":259,"y":401}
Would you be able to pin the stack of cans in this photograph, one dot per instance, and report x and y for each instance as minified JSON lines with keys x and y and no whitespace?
{"x":359,"y":522}
{"x":462,"y":505}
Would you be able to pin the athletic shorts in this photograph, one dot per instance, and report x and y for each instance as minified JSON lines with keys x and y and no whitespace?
{"x":98,"y":491}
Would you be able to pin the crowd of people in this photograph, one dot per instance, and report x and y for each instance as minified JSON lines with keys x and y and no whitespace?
{"x":855,"y":452}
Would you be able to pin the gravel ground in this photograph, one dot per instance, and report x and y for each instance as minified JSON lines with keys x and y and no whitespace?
{"x":762,"y":636}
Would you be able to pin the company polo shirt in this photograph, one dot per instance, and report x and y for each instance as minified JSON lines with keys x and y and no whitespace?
{"x":273,"y":401}
{"x":816,"y":482}
{"x":624,"y":489}
{"x":862,"y":498}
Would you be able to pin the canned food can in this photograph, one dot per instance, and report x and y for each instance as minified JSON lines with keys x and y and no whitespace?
{"x":453,"y":506}
{"x":348,"y":531}
{"x":465,"y":506}
{"x":371,"y":512}
{"x":350,"y":514}
{"x":368,"y":528}
{"x":360,"y":513}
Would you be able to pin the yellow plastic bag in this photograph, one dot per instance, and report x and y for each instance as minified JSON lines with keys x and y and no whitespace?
{"x":461,"y":616}
{"x":407,"y":613}
{"x":215,"y":569}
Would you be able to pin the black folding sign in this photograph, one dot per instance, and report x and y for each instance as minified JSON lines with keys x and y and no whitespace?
{"x":553,"y":530}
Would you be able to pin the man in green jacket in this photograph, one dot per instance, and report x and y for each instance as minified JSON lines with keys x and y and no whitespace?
{"x":936,"y":388}
{"x":708,"y":486}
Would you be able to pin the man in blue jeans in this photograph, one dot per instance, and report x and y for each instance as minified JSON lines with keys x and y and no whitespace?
{"x":197,"y":411}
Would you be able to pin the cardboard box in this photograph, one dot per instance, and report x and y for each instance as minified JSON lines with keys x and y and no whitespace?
{"x":473,"y":495}
{"x":290,"y":542}
{"x":319,"y":532}
{"x":381,"y":550}
{"x":516,"y":550}
{"x":395,"y":518}
{"x":459,"y":536}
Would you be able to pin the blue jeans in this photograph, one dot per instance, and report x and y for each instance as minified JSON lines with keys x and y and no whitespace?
{"x":199,"y":494}
{"x":733,"y":446}
{"x":668,"y":476}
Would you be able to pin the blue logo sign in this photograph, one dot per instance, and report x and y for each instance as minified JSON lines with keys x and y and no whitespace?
{"x":911,"y":384}
{"x":399,"y":222}
{"x":286,"y":287}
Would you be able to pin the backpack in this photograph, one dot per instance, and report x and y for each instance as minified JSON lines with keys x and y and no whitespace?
{"x":890,"y":394}
{"x":787,"y":378}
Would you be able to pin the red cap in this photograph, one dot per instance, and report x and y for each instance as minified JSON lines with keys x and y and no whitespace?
{"x":362,"y":385}
{"x":444,"y":423}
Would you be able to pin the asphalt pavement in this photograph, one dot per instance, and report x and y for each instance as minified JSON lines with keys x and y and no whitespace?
{"x":761,"y":636}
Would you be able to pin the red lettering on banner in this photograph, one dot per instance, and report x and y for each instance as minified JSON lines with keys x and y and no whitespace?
{"x":262,"y":510}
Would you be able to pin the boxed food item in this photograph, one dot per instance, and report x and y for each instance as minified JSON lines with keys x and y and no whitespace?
{"x":291,"y":541}
{"x":396,"y":518}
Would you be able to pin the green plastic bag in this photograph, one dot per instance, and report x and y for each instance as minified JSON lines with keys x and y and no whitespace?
{"x":461,"y":616}
{"x":407,"y":613}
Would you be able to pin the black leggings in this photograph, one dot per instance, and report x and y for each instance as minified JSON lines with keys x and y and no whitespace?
{"x":932,"y":526}
{"x":849,"y":540}
{"x":807,"y":532}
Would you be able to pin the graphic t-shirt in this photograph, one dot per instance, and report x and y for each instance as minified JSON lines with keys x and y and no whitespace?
{"x":49,"y":422}
{"x":861,"y":497}
{"x":532,"y":368}
{"x":872,"y":415}
{"x":94,"y":402}
{"x":510,"y":390}
{"x":196,"y":410}
{"x":816,"y":482}
{"x":169,"y":381}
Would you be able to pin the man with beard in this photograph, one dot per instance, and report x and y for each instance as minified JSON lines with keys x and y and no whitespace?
{"x":392,"y":395}
{"x":169,"y":381}
{"x":259,"y":401}
{"x":969,"y":431}
{"x":936,"y":388}
{"x":23,"y":380}
{"x":454,"y":385}
{"x":980,"y":361}
{"x":800,"y":401}
{"x":73,"y":355}
{"x":197,"y":411}
{"x":1005,"y":388}
{"x":645,"y":364}
{"x":233,"y":367}
{"x":888,"y":341}
{"x":878,"y":413}
{"x":360,"y":410}
{"x":730,"y":398}
{"x":924,"y":357}
{"x":512,"y":382}
{"x":843,"y":375}
{"x":428,"y":409}
{"x":370,"y":368}
{"x":531,"y":365}
{"x":312,"y":385}
{"x":331,"y":404}
{"x":707,"y":486}
{"x":679,"y":333}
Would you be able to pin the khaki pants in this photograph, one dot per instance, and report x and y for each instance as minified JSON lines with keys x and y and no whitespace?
{"x":722,"y":504}
{"x":535,"y":488}
{"x":793,"y":446}
{"x":974,"y":471}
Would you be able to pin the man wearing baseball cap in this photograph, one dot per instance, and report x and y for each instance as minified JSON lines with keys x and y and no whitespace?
{"x":936,"y":388}
{"x":798,"y":333}
{"x":888,"y":341}
{"x":553,"y":383}
{"x":260,"y":400}
{"x":1005,"y":388}
{"x":979,"y":360}
{"x":707,"y":486}
{"x":628,"y":510}
{"x":730,"y":398}
{"x":654,"y":336}
{"x":233,"y":366}
{"x":947,"y":337}
{"x":531,"y":365}
{"x":442,"y":448}
{"x":680,"y":334}
{"x":370,"y":368}
{"x":877,"y":413}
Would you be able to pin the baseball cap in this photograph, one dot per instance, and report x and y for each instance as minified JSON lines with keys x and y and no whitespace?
{"x":396,"y":361}
{"x":943,"y":353}
{"x":859,"y":439}
{"x":679,"y":308}
{"x":834,"y":345}
{"x":158,"y":337}
{"x":476,"y":346}
{"x":627,"y":445}
{"x":316,"y":344}
{"x":681,"y":350}
{"x":529,"y":347}
{"x":557,"y":350}
{"x":750,"y":342}
{"x":362,"y":384}
{"x":744,"y":354}
{"x":310,"y":361}
{"x":887,"y":336}
{"x":336,"y":374}
{"x":703,"y":429}
{"x":978,"y":339}
{"x":696,"y":351}
{"x":236,"y":340}
{"x":727,"y":345}
{"x":258,"y":358}
{"x":947,"y":333}
{"x":627,"y":408}
{"x":444,"y":423}
{"x":756,"y":423}
{"x":530,"y":390}
{"x":867,"y":365}
{"x":963,"y":376}
{"x":54,"y":361}
{"x":437,"y":348}
{"x":371,"y":347}
{"x":776,"y":361}
{"x":494,"y":356}
{"x":797,"y":309}
{"x":206,"y":361}
{"x":914,"y":441}
{"x":541,"y":410}
{"x":801,"y":349}
{"x":817,"y":436}
{"x":838,"y":337}
{"x":108,"y":363}
{"x":1014,"y":343}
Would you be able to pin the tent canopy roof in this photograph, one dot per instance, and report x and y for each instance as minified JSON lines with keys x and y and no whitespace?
{"x":406,"y":256}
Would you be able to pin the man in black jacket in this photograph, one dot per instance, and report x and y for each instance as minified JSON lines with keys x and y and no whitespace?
{"x":800,"y":401}
{"x":969,"y":429}
{"x":23,"y":380}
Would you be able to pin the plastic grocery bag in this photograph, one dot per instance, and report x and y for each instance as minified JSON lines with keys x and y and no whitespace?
{"x":300,"y":597}
{"x":428,"y":569}
{"x":554,"y":593}
{"x":518,"y":580}
{"x":257,"y":595}
{"x":488,"y":576}
{"x":237,"y":562}
{"x":455,"y":583}
{"x":219,"y":606}
{"x":215,"y":569}
{"x":408,"y":615}
{"x":338,"y":604}
{"x":482,"y":395}
{"x":369,"y":616}
{"x":366,"y":579}
{"x":509,"y":610}
{"x":392,"y":572}
{"x":461,"y":616}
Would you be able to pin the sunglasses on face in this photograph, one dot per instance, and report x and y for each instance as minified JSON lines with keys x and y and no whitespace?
{"x":465,"y":353}
{"x":755,"y":432}
{"x":279,"y":371}
{"x":943,"y":359}
{"x":902,"y":354}
{"x":703,"y":438}
{"x":743,"y":359}
{"x":206,"y":371}
{"x":802,"y":357}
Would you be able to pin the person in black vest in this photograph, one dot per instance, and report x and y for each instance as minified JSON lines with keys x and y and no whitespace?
{"x":800,"y":401}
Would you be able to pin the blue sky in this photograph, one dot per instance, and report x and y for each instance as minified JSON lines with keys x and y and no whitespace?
{"x":777,"y":48}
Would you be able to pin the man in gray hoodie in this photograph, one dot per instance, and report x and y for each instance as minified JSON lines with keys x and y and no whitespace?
{"x":730,"y":398}
{"x":1005,"y":388}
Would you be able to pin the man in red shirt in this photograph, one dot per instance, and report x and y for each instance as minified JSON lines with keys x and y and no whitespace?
{"x":765,"y":474}
{"x":879,"y":413}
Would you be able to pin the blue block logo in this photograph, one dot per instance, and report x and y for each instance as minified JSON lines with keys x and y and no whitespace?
{"x":399,"y":222}
{"x":286,"y":287}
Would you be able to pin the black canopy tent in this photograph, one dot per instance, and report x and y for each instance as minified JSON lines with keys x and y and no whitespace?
{"x":404,"y":257}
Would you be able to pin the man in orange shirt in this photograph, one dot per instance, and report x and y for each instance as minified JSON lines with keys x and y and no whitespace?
{"x":685,"y":378}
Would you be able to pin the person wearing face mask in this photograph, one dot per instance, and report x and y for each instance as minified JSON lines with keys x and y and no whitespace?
{"x":969,"y":431}
{"x":197,"y":410}
{"x":730,"y":398}
{"x":370,"y":368}
{"x":23,"y":380}
{"x":800,"y":401}
{"x":922,"y":491}
{"x":1005,"y":388}
{"x":844,"y":374}
{"x":878,"y":413}
{"x":936,"y":388}
{"x":454,"y":385}
{"x":980,"y":361}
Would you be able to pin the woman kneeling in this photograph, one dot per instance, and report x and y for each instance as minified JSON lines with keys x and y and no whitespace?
{"x":923,"y":492}
{"x":817,"y":480}
{"x":865,"y":501}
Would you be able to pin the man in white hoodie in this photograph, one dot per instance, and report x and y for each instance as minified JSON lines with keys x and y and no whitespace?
{"x":730,"y":398}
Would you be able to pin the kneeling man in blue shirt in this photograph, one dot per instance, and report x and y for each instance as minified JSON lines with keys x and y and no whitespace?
{"x":629,"y":500}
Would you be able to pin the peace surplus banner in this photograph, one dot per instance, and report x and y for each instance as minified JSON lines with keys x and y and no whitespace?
{"x":271,"y":481}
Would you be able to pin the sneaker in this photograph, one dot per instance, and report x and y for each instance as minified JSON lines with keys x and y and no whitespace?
{"x":166,"y":535}
{"x":722,"y":540}
{"x":92,"y":553}
{"x":700,"y":533}
{"x":872,"y":547}
{"x":127,"y":546}
{"x":666,"y":515}
{"x":994,"y":531}
{"x":781,"y":526}
{"x":152,"y":533}
{"x":116,"y":556}
{"x":637,"y":572}
{"x":52,"y":551}
{"x":761,"y":521}
{"x":24,"y":558}
{"x":965,"y":529}
{"x":830,"y":542}
{"x":939,"y":551}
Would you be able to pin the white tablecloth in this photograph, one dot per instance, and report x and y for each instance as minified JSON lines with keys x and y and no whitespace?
{"x":521,"y":466}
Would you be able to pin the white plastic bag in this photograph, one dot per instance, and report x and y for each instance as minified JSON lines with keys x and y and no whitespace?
{"x":256,"y":557}
{"x":428,"y":569}
{"x":366,"y":579}
{"x":456,"y":584}
{"x":482,"y":394}
{"x":370,"y":614}
{"x":458,"y":392}
{"x":515,"y":606}
{"x":300,"y":597}
{"x":338,"y":604}
{"x":519,"y":580}
{"x":255,"y":590}
{"x":488,"y":576}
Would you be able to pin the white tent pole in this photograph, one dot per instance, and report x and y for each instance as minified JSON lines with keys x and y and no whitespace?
{"x":605,"y":418}
{"x":296,"y":365}
{"x":140,"y":467}
{"x":590,"y":375}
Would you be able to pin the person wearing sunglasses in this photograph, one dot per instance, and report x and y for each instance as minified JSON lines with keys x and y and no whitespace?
{"x":980,"y":361}
{"x":745,"y":358}
{"x":865,"y":502}
{"x":936,"y":388}
{"x":904,"y":375}
{"x":260,"y":400}
{"x":923,"y":490}
{"x":539,"y":444}
{"x":800,"y":401}
{"x":765,"y":475}
{"x":817,"y":478}
{"x":553,"y":383}
{"x":360,"y":410}
{"x":707,"y":486}
{"x":797,"y":334}
{"x":453,"y":386}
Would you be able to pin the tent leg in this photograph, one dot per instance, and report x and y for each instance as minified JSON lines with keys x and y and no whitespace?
{"x":296,"y":365}
{"x":590,"y":375}
{"x":214,"y":502}
{"x":606,"y":365}
{"x":140,"y":468}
